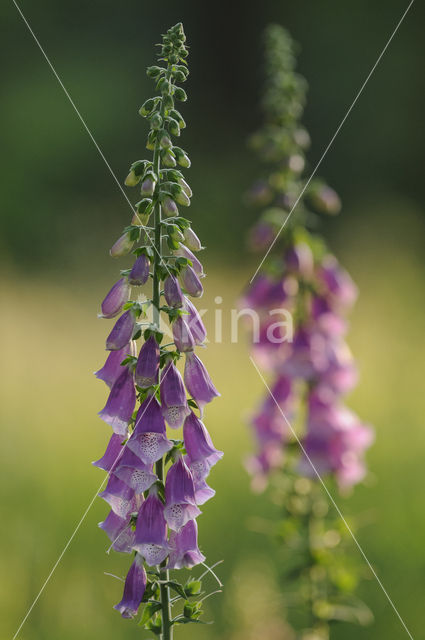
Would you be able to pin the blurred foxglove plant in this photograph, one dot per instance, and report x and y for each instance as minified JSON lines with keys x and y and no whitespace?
{"x":311,"y":370}
{"x":155,"y":483}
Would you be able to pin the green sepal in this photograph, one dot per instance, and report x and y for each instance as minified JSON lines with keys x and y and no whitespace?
{"x":154,"y":71}
{"x":180,"y":94}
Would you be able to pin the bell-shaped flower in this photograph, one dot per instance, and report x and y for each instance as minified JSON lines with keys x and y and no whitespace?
{"x":147,"y":366}
{"x":198,"y":381}
{"x":113,"y":454}
{"x":184,"y":547}
{"x":134,"y":589}
{"x":151,"y":531}
{"x":120,"y":404}
{"x":180,"y":504}
{"x":149,"y":440}
{"x":201,"y":453}
{"x":174,"y":405}
{"x":112,"y":367}
{"x":337,"y":283}
{"x":122,"y":246}
{"x":182,"y":335}
{"x":194,"y":321}
{"x":184,"y":252}
{"x":299,"y":259}
{"x":119,"y":532}
{"x":136,"y":474}
{"x":115,"y":299}
{"x":191,"y":283}
{"x":203,"y":492}
{"x":122,"y":332}
{"x":172,"y":292}
{"x":120,"y":497}
{"x":139,"y":273}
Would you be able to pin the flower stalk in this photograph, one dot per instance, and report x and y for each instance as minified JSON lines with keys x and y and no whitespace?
{"x":154,"y":486}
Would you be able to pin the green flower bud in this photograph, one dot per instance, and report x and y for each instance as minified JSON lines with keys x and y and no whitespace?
{"x":132,"y":179}
{"x":140,"y":219}
{"x":147,"y":107}
{"x":144,"y":206}
{"x":179,"y":76}
{"x":148,"y":185}
{"x":164,"y":140}
{"x":175,"y":233}
{"x":191,"y":240}
{"x":180,"y":94}
{"x":168,"y":158}
{"x":185,"y":187}
{"x":151,"y":142}
{"x":168,"y":102}
{"x":177,"y":116}
{"x":122,"y":246}
{"x":154,"y":72}
{"x":181,"y":157}
{"x":156,"y":121}
{"x":173,"y":127}
{"x":169,"y":207}
{"x":179,"y":195}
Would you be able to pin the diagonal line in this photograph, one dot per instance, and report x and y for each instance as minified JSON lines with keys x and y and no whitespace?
{"x":341,"y":124}
{"x":338,"y":510}
{"x":102,"y":155}
{"x":78,"y":526}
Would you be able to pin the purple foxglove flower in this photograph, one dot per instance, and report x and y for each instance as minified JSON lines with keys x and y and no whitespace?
{"x":122,"y":332}
{"x":184,"y":252}
{"x":182,"y":335}
{"x":147,"y":366}
{"x":191,"y":282}
{"x":337,"y":282}
{"x":115,"y":299}
{"x":180,"y":505}
{"x":198,"y":381}
{"x":325,"y":318}
{"x":113,"y":454}
{"x":184,"y":547}
{"x":195,"y":323}
{"x":172,"y":292}
{"x":134,"y":589}
{"x":341,"y":374}
{"x":201,"y":453}
{"x":120,"y":497}
{"x":191,"y":240}
{"x":119,"y":532}
{"x":306,"y":357}
{"x":120,"y":404}
{"x":139,"y":273}
{"x":112,"y":368}
{"x":299,"y":259}
{"x":135,"y":473}
{"x":151,"y":531}
{"x":202,"y":491}
{"x":149,"y":440}
{"x":122,"y":246}
{"x":174,"y":405}
{"x":261,"y":236}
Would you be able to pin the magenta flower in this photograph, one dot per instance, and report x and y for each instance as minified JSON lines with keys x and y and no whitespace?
{"x":337,"y":283}
{"x":201,"y":453}
{"x":191,"y":283}
{"x":194,"y":321}
{"x":139,"y":273}
{"x":119,"y":532}
{"x":184,"y":252}
{"x":122,"y":332}
{"x":112,"y":455}
{"x":172,"y":292}
{"x":184,"y":550}
{"x":151,"y":531}
{"x":120,"y":404}
{"x":136,"y":474}
{"x":180,"y":505}
{"x":115,"y":299}
{"x":173,"y":396}
{"x":134,"y":589}
{"x":149,"y":440}
{"x":112,"y":367}
{"x":120,"y":497}
{"x":198,"y":381}
{"x":182,"y":335}
{"x":147,"y":366}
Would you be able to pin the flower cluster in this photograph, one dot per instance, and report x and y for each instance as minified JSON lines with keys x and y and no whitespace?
{"x":303,"y":277}
{"x":156,"y":484}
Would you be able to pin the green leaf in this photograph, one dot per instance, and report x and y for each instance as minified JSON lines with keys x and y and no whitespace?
{"x":177,"y":587}
{"x":149,"y":611}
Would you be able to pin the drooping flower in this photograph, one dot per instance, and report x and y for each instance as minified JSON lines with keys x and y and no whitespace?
{"x":180,"y":505}
{"x":115,"y":299}
{"x":119,"y":532}
{"x":182,"y":335}
{"x":134,"y":589}
{"x":201,"y":453}
{"x":112,"y":455}
{"x":192,"y":241}
{"x":120,"y":404}
{"x":120,"y":497}
{"x":139,"y":273}
{"x":194,"y":322}
{"x":184,"y":252}
{"x":151,"y":531}
{"x":147,"y":367}
{"x":184,"y":547}
{"x":173,"y":396}
{"x":138,"y":475}
{"x":112,"y":368}
{"x":122,"y":332}
{"x":191,"y":283}
{"x":149,"y":440}
{"x":198,"y":381}
{"x":122,"y":246}
{"x":172,"y":292}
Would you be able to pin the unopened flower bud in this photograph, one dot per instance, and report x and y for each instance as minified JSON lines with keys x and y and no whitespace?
{"x":172,"y":292}
{"x":180,"y":94}
{"x":139,"y":273}
{"x":169,"y":207}
{"x":191,"y":240}
{"x":131,"y":180}
{"x":168,"y":159}
{"x":165,"y":141}
{"x":115,"y":299}
{"x":154,"y":72}
{"x":185,"y":187}
{"x":156,"y":121}
{"x":182,"y":158}
{"x":173,"y":127}
{"x":180,"y":196}
{"x":191,"y":282}
{"x":147,"y":107}
{"x":122,"y":246}
{"x":148,"y":186}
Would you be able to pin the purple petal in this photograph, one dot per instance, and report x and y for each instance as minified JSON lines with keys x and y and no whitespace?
{"x":120,"y":404}
{"x":120,"y":497}
{"x":172,"y":292}
{"x":184,"y":547}
{"x":112,"y":367}
{"x":119,"y":532}
{"x":184,"y":252}
{"x":197,"y":442}
{"x":195,"y":323}
{"x":180,"y":504}
{"x":134,"y":589}
{"x":115,"y":299}
{"x":191,"y":283}
{"x":173,"y":396}
{"x":135,"y":473}
{"x":147,"y":366}
{"x":151,"y":531}
{"x":198,"y":381}
{"x":114,"y":452}
{"x":182,"y":335}
{"x":122,"y":332}
{"x":139,"y":273}
{"x":148,"y":440}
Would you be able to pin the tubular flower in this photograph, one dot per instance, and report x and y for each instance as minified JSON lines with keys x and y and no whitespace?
{"x":155,"y":484}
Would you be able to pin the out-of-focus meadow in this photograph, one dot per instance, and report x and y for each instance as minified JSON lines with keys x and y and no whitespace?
{"x":61,"y":212}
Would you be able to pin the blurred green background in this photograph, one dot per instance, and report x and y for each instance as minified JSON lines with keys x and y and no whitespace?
{"x":60,"y":213}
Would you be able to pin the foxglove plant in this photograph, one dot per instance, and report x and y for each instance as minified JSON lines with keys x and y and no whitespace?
{"x":310,"y":373}
{"x":156,"y":483}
